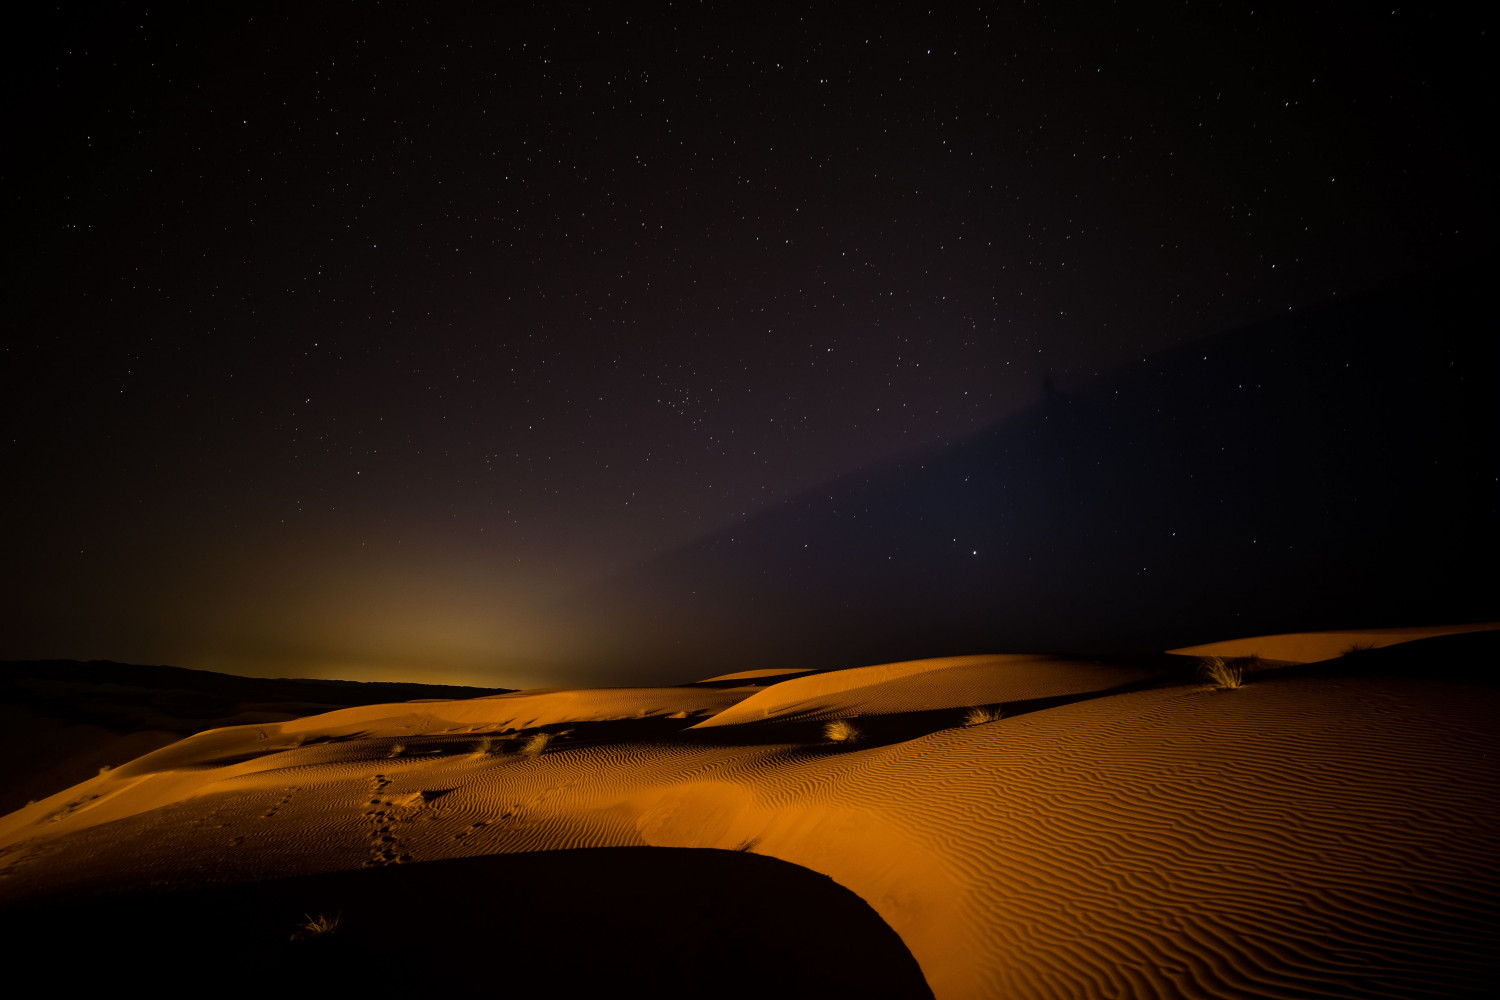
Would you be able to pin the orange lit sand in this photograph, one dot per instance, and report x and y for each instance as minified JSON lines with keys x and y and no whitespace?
{"x":1124,"y":830}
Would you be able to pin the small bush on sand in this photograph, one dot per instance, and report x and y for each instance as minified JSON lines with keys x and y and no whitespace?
{"x":397,"y":749}
{"x":840,"y":731}
{"x":536,"y":744}
{"x":1222,"y":673}
{"x":980,"y":714}
{"x":486,"y":746}
{"x":315,"y":927}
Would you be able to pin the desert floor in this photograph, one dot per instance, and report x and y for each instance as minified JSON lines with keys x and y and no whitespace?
{"x":1124,"y":828}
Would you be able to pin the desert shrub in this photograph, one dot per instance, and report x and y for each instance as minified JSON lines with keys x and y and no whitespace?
{"x":980,"y":714}
{"x":315,"y":927}
{"x":1221,"y":672}
{"x":840,"y":731}
{"x":536,"y":744}
{"x":397,"y":749}
{"x":486,"y":746}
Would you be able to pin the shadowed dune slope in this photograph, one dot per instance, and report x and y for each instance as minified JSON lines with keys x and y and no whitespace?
{"x":762,"y":676}
{"x":673,"y":923}
{"x":1316,"y":831}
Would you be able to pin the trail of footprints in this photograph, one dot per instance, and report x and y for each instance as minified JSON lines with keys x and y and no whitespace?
{"x":22,"y":855}
{"x":277,"y":807}
{"x":475,"y":827}
{"x":27,"y":852}
{"x":215,"y":819}
{"x":385,"y":847}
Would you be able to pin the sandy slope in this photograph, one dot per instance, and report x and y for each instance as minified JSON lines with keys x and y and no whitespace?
{"x":1326,"y":829}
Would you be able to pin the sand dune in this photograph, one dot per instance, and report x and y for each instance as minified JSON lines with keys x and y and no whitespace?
{"x":1309,"y":647}
{"x":1124,"y":830}
{"x":65,"y":719}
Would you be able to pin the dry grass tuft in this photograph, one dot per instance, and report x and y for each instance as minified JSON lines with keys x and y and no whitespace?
{"x":536,"y":744}
{"x":1222,"y":673}
{"x":397,"y":749}
{"x":315,"y":927}
{"x":980,"y":714}
{"x":840,"y":731}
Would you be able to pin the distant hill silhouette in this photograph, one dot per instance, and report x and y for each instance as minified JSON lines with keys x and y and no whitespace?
{"x":195,"y":693}
{"x":1334,"y":467}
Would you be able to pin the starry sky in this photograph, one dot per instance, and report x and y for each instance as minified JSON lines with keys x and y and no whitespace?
{"x":388,"y":341}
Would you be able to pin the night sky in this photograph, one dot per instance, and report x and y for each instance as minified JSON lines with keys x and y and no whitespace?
{"x":461,"y":344}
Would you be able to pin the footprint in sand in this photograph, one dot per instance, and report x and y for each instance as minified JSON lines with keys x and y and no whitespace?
{"x":473,"y":828}
{"x":18,"y":856}
{"x":208,"y":819}
{"x":62,"y":812}
{"x":277,"y":807}
{"x":25,"y":854}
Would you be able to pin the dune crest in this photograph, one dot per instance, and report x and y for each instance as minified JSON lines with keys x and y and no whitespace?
{"x":1309,"y":647}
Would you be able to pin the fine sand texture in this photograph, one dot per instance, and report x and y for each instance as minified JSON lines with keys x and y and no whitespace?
{"x":983,"y":826}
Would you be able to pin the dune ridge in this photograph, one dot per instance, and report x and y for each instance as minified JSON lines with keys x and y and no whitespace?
{"x":945,"y":682}
{"x":1309,"y":647}
{"x":1309,"y":833}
